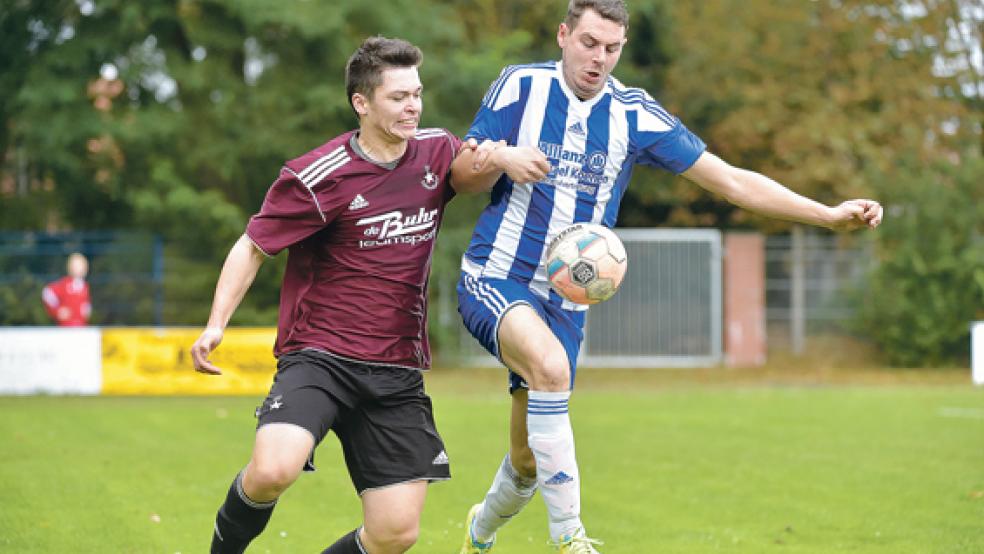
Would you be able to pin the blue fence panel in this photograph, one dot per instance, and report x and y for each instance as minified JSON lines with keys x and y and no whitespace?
{"x":126,"y":274}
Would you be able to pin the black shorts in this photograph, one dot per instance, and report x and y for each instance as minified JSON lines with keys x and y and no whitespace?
{"x":381,"y":415}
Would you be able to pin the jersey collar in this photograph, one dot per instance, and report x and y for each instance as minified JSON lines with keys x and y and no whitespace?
{"x":353,"y":144}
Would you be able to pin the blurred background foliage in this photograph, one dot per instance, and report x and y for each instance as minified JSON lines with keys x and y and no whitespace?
{"x":173,"y":117}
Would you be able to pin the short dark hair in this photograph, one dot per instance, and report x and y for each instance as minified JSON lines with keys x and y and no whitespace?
{"x":612,"y":10}
{"x":364,"y":69}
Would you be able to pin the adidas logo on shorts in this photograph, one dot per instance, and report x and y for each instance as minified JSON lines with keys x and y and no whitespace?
{"x":441,"y":459}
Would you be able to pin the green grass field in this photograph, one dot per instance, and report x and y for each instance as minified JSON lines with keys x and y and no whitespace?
{"x":671,"y":462}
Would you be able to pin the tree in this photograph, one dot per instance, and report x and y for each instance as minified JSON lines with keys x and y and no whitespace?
{"x":175,"y":117}
{"x":820,"y":95}
{"x":929,"y":283}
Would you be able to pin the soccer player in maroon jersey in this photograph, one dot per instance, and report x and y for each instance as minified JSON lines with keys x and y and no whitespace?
{"x":359,"y":216}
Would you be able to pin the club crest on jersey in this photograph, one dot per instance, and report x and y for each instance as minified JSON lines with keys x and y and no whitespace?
{"x":430,"y":180}
{"x":597,"y":161}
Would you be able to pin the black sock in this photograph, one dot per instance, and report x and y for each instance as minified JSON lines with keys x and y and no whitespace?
{"x":239,"y":520}
{"x":349,"y":544}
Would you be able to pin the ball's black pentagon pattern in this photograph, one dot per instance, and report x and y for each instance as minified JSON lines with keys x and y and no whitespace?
{"x":583,"y":272}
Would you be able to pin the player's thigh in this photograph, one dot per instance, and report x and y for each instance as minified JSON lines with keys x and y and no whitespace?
{"x":530,"y":348}
{"x":394,"y":511}
{"x":293,"y":418}
{"x":391,"y":438}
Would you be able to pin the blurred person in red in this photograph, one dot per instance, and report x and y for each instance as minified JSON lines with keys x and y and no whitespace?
{"x":67,"y":299}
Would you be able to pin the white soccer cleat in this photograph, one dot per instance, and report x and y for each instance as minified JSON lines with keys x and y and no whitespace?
{"x":578,"y":543}
{"x":471,"y":546}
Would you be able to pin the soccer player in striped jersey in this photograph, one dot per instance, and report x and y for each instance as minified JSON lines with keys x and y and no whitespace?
{"x":593,"y":130}
{"x":359,"y":216}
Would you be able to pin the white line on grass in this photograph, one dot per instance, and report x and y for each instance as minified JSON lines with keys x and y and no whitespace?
{"x":968,"y":413}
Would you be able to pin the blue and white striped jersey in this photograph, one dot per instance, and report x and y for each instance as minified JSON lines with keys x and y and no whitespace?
{"x":592,"y":146}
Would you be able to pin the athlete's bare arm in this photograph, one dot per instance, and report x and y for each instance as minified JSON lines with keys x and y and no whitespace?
{"x":760,"y":194}
{"x":471,"y":172}
{"x":238,"y":272}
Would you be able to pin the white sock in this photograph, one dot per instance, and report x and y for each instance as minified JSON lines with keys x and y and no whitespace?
{"x":509,"y":492}
{"x":552,"y":441}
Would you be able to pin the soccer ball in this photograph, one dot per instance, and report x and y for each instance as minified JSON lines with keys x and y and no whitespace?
{"x":586,"y":263}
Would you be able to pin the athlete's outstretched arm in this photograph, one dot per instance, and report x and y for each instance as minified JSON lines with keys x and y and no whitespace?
{"x":760,"y":194}
{"x":472,"y":172}
{"x":238,"y":272}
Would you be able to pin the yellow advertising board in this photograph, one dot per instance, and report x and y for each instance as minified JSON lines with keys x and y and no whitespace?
{"x":158,"y":361}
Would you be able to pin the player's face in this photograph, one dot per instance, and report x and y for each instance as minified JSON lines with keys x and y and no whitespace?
{"x":78,"y":267}
{"x":590,"y":51}
{"x":394,"y":109}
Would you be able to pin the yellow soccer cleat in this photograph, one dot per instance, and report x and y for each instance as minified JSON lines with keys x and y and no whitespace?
{"x":471,"y":546}
{"x":578,"y":543}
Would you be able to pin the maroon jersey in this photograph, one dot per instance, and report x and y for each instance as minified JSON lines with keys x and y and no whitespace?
{"x":360,"y":238}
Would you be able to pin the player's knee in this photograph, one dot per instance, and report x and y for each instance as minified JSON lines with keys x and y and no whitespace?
{"x":270,"y":478}
{"x":405,"y":539}
{"x":551,"y":371}
{"x":394,"y":537}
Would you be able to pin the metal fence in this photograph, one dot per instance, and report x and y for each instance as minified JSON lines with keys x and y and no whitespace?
{"x":667,"y":312}
{"x":813,"y":280}
{"x":126,"y":272}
